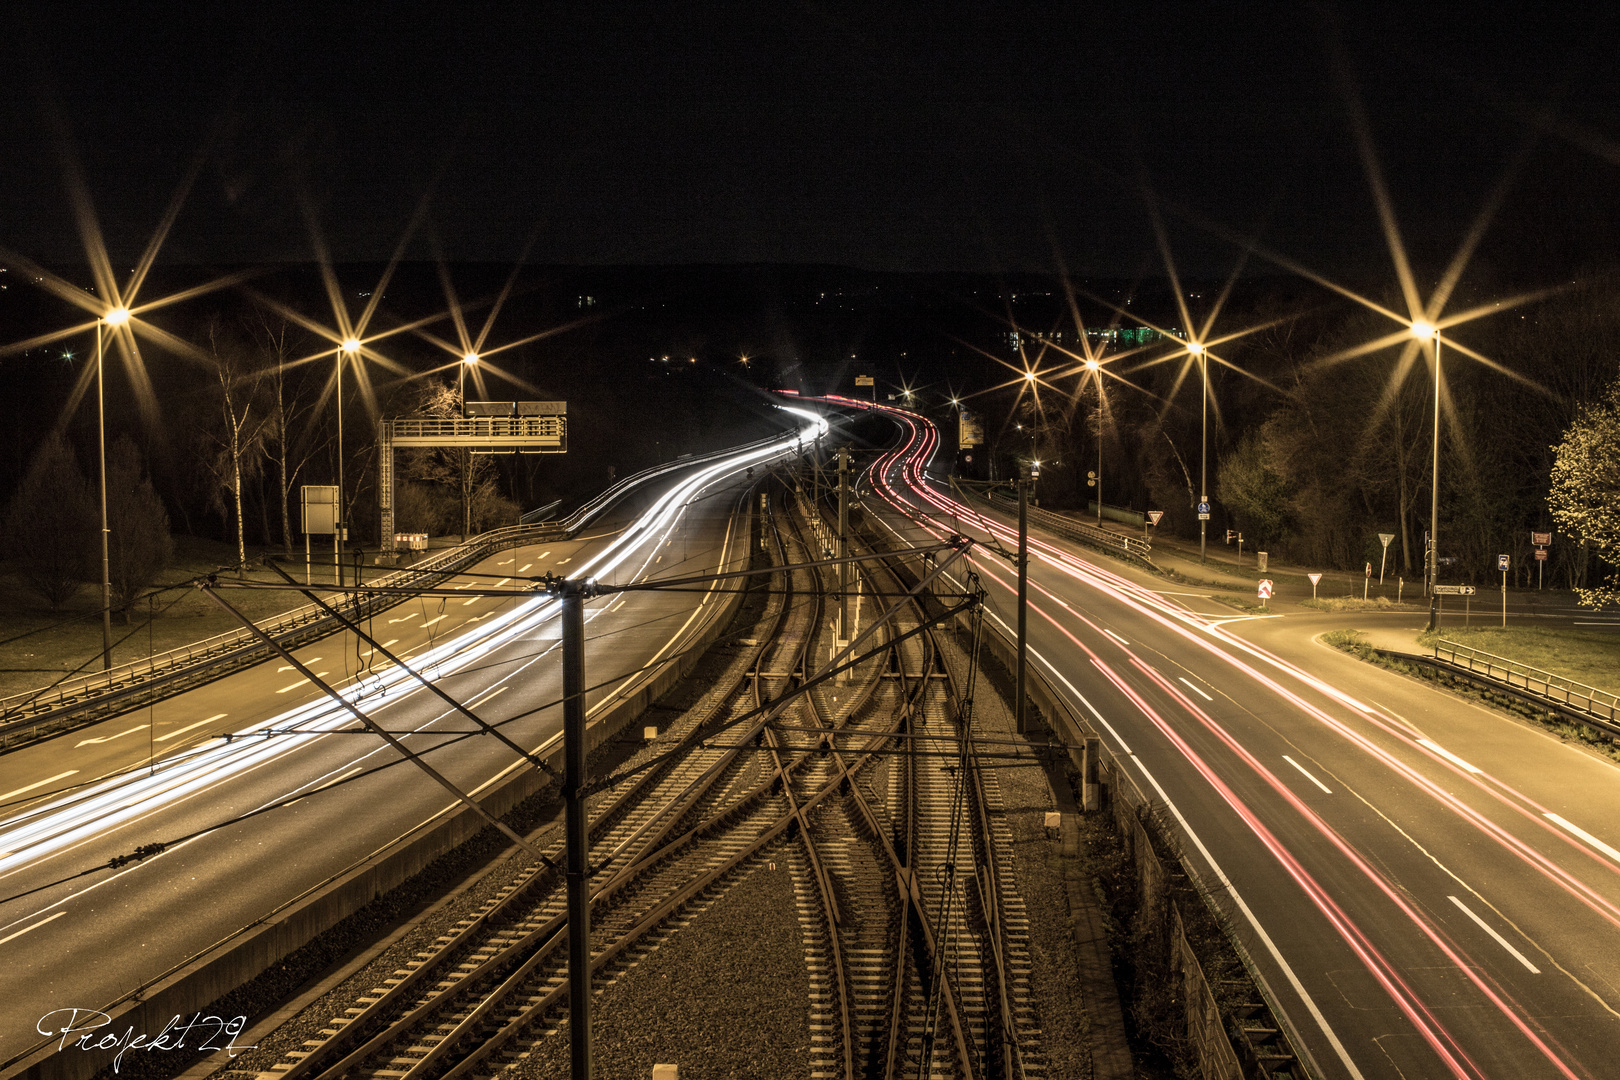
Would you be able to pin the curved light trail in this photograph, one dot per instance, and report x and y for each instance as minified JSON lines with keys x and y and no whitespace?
{"x":899,"y":477}
{"x":60,"y":823}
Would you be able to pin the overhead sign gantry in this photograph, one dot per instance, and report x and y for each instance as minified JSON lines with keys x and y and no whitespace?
{"x":490,"y":427}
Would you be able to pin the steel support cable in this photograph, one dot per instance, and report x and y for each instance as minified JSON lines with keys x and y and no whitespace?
{"x":388,"y":737}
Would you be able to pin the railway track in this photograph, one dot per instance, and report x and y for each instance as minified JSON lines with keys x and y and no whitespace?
{"x":911,"y":927}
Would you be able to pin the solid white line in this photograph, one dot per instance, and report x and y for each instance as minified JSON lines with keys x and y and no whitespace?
{"x":1195,"y":689}
{"x":188,"y":727}
{"x":1570,"y":827}
{"x":36,"y":926}
{"x":1271,"y":946}
{"x":1115,"y":636}
{"x":1500,"y":940}
{"x":485,"y":697}
{"x":110,"y":738}
{"x":38,"y":784}
{"x":1449,"y":756}
{"x":1305,"y":774}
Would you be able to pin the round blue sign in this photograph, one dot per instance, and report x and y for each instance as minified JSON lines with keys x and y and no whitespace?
{"x":1203,"y":508}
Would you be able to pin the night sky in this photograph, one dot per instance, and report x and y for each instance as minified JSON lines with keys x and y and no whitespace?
{"x":918,"y":137}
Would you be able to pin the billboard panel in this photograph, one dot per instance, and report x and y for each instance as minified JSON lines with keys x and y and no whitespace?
{"x":969,"y":430}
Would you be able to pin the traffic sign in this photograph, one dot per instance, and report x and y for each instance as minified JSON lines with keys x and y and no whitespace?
{"x":1153,"y":516}
{"x":863,"y":380}
{"x":1265,"y":588}
{"x":1369,"y":569}
{"x":1314,"y":578}
{"x":1502,"y":562}
{"x":1541,"y":554}
{"x":1385,"y":538}
{"x":1203,"y":509}
{"x":1454,"y":590}
{"x":1541,"y":539}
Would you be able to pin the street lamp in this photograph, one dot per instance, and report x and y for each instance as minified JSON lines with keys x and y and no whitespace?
{"x":1424,"y":330}
{"x":1196,"y":348}
{"x":349,"y":347}
{"x":1094,"y":366}
{"x":466,"y":362}
{"x":118,"y":316}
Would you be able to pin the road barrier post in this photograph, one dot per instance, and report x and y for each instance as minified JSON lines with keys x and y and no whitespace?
{"x":1020,"y":721}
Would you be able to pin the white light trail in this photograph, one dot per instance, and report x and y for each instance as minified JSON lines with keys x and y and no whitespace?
{"x":27,"y":837}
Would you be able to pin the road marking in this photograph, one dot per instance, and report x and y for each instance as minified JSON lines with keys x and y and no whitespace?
{"x":560,"y":562}
{"x":1500,"y":940}
{"x":542,"y":555}
{"x":109,"y":738}
{"x":1449,"y":756}
{"x":485,"y":697}
{"x":1305,"y":774}
{"x":1195,"y":689}
{"x":469,"y":603}
{"x":390,"y":641}
{"x":1265,"y":938}
{"x":1571,"y":827}
{"x":402,"y":618}
{"x":289,"y":667}
{"x":430,"y":622}
{"x":38,"y":784}
{"x":1115,"y":636}
{"x":292,"y":686}
{"x":188,"y":727}
{"x":36,"y":926}
{"x":524,"y":567}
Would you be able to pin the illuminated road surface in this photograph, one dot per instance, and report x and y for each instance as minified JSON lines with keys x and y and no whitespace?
{"x":1430,"y":889}
{"x":89,"y":941}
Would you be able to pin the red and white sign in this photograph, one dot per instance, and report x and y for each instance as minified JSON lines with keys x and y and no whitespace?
{"x":1315,"y":578}
{"x":1265,"y":588}
{"x":1541,"y":539}
{"x":1541,"y":554}
{"x":1153,"y":516}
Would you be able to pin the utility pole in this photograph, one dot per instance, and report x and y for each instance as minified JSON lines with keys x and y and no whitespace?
{"x":1024,"y":473}
{"x":579,"y":900}
{"x":843,"y":547}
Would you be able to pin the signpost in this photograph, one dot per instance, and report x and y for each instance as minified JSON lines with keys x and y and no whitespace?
{"x":1502,"y":565}
{"x":1150,"y":519}
{"x":1203,"y":511}
{"x":1367,"y":581}
{"x":1314,"y":579}
{"x":1383,"y":538}
{"x":1265,"y":591}
{"x":1452,"y":590}
{"x":1542,"y":540}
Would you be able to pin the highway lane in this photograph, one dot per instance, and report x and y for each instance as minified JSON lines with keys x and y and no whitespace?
{"x":1411,"y":901}
{"x":86,"y":942}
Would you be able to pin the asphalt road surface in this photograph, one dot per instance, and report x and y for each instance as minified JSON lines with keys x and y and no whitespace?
{"x":168,"y":773}
{"x":1429,"y":888}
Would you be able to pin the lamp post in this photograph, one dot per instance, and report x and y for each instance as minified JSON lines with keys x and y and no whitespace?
{"x":1094,"y":367}
{"x":1427,"y":331}
{"x":1196,"y":348}
{"x":466,"y":362}
{"x":350,"y":347}
{"x":116,"y":317}
{"x":466,"y":454}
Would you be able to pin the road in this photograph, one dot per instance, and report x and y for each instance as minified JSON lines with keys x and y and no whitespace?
{"x":1428,"y":888}
{"x":74,"y":936}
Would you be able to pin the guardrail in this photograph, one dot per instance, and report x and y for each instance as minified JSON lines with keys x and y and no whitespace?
{"x":1074,"y":530}
{"x":1575,"y":696}
{"x":89,"y":696}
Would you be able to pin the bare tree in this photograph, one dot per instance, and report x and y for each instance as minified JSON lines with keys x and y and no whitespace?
{"x":239,"y":442}
{"x":139,"y":544}
{"x":291,"y":441}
